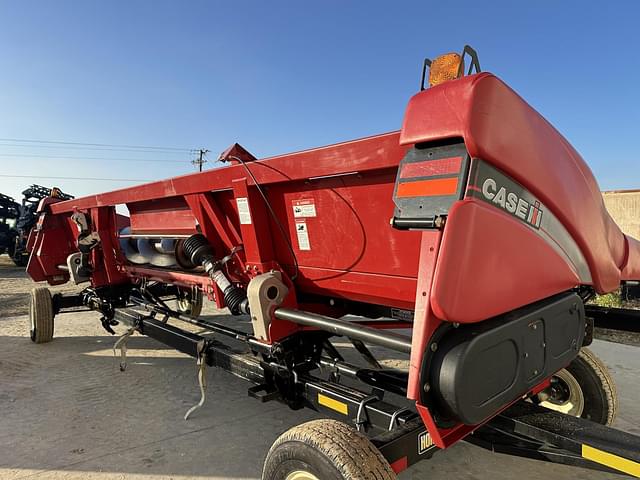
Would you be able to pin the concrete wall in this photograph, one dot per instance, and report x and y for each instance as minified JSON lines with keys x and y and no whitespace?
{"x":624,"y":207}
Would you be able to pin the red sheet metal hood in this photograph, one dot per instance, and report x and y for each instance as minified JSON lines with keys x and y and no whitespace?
{"x":499,"y":127}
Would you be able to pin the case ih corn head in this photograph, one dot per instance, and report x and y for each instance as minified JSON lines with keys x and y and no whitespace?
{"x":468,"y":241}
{"x":28,"y":217}
{"x":16,"y":221}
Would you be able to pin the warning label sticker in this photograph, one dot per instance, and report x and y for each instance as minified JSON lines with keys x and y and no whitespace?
{"x":303,"y":236}
{"x":243,"y":210}
{"x":304,"y":208}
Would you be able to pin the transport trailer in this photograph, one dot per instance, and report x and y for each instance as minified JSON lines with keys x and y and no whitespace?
{"x":467,"y":242}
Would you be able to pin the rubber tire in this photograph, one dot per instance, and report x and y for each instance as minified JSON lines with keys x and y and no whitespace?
{"x":11,"y":249}
{"x":41,"y":315}
{"x":20,"y":261}
{"x":195,"y":305}
{"x":330,"y":450}
{"x":598,"y":388}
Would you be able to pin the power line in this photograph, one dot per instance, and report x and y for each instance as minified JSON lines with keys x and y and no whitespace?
{"x":27,"y":155}
{"x":97,"y":144}
{"x":200,"y":160}
{"x":78,"y":178}
{"x":100,"y":149}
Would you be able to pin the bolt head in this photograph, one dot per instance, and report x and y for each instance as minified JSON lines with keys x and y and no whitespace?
{"x":434,"y":347}
{"x":427,"y":387}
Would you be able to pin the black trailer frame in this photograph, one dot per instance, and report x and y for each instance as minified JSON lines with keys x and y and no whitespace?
{"x":278,"y":373}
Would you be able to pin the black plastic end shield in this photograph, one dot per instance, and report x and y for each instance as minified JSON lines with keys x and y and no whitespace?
{"x":483,"y":367}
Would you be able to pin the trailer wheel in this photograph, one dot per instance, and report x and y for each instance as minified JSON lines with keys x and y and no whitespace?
{"x":189,"y":302}
{"x":20,"y":260}
{"x":584,"y":389}
{"x":325,"y":450}
{"x":41,"y":315}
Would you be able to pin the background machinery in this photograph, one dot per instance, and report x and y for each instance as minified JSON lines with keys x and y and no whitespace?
{"x":28,"y":217}
{"x":9,"y":212}
{"x":467,"y":244}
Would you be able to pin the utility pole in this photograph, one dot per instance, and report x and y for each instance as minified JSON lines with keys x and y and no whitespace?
{"x":200,"y":160}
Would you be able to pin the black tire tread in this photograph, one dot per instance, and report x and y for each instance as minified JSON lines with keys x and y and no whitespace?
{"x":349,"y":451}
{"x":42,"y":312}
{"x":608,"y":385}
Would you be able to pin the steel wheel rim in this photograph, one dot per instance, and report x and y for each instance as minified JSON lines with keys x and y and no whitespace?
{"x":301,"y":475}
{"x":184,"y":304}
{"x":571,"y":398}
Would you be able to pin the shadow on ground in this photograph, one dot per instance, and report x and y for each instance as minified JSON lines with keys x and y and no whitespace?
{"x":67,"y":412}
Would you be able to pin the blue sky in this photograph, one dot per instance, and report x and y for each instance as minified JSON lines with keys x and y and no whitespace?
{"x":281,"y":76}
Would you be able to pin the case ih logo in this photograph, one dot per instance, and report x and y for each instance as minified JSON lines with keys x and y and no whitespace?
{"x":512,"y":203}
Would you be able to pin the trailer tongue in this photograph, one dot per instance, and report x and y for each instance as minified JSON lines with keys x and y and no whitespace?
{"x":476,"y":230}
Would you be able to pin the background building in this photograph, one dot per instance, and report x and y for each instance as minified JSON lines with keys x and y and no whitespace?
{"x":624,"y":207}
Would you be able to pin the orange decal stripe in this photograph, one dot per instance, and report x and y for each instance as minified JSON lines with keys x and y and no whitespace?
{"x":428,"y":188}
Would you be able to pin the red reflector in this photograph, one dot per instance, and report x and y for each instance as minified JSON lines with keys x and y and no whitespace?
{"x":400,"y":465}
{"x":428,"y":188}
{"x":429,"y":168}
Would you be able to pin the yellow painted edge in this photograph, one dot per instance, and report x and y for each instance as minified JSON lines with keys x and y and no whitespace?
{"x":610,"y":460}
{"x":328,"y":402}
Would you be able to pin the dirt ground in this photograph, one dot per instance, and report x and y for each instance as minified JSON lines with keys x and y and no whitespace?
{"x":68,"y":413}
{"x":15,"y":287}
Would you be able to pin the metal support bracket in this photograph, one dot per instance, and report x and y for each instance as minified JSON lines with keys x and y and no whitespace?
{"x":121,"y":343}
{"x":362,"y":418}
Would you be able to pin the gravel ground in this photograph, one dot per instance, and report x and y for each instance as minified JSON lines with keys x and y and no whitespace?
{"x":15,"y":287}
{"x":68,"y":413}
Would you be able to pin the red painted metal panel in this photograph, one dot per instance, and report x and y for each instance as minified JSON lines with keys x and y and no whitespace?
{"x":107,"y":258}
{"x":363,"y":287}
{"x":424,"y":321}
{"x":350,"y":231}
{"x":363,"y":155}
{"x":504,"y":267}
{"x":501,"y":128}
{"x":162,"y":215}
